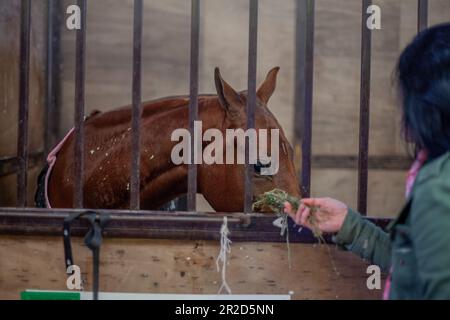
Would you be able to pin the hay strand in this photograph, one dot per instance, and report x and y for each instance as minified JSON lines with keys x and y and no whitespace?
{"x":274,"y":201}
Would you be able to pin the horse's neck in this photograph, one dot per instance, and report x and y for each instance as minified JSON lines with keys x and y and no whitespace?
{"x":162,"y":180}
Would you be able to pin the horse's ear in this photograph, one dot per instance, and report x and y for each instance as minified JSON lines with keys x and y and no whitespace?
{"x":228,"y":97}
{"x":267,"y":88}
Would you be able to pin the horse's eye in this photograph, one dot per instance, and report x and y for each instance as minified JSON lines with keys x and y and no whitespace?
{"x":258,"y":166}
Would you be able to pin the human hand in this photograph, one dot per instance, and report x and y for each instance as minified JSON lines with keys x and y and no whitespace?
{"x":329,"y":213}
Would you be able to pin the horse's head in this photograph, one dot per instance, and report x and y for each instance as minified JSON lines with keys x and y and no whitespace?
{"x":270,"y":152}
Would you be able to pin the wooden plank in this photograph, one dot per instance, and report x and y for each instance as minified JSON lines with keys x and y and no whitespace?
{"x":167,"y":266}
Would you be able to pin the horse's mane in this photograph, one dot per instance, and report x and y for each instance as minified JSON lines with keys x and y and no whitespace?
{"x":149,"y":108}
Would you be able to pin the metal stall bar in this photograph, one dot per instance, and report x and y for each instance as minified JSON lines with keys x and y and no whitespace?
{"x":193,"y":103}
{"x":304,"y":77}
{"x":422,"y":16}
{"x":154,"y":224}
{"x":53,"y":75}
{"x":251,"y":100}
{"x":24,"y":74}
{"x":80,"y":74}
{"x":137,"y":106}
{"x":363,"y":157}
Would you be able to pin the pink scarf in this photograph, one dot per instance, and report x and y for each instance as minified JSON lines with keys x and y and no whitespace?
{"x":51,"y":159}
{"x":412,"y":174}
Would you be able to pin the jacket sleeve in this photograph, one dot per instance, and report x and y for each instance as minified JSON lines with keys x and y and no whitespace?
{"x":365,"y":239}
{"x":430,"y":230}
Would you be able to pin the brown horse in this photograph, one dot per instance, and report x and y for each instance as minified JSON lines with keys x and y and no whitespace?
{"x":108,"y":154}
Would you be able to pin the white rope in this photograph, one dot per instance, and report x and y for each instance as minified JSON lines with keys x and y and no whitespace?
{"x":282,"y":223}
{"x":225,"y":249}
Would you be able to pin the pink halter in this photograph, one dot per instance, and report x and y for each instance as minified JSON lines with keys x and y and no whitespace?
{"x":51,"y":159}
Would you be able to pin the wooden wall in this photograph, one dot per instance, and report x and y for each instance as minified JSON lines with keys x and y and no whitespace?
{"x":167,"y":266}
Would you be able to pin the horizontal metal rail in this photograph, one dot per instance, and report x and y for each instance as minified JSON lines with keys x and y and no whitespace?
{"x":392,"y":163}
{"x":155,"y":224}
{"x":10,"y":165}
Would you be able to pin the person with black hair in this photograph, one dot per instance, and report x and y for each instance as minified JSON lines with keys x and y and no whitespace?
{"x":415,"y":248}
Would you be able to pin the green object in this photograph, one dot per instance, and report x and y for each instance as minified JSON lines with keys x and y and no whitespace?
{"x":49,"y":295}
{"x":417,"y":244}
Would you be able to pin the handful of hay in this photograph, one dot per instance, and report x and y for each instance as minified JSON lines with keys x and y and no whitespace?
{"x":274,"y":201}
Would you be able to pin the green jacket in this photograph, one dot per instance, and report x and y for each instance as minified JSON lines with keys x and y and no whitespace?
{"x":416,"y":246}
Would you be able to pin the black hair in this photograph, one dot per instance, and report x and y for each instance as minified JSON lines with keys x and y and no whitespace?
{"x":423,"y":73}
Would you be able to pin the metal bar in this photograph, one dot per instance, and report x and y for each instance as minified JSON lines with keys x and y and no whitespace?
{"x":193,"y":102}
{"x":24,"y":69}
{"x":154,"y":224}
{"x":299,"y":83}
{"x":251,"y":99}
{"x":309,"y":78}
{"x":52,"y":119}
{"x":80,"y":74}
{"x":364,"y":116}
{"x":137,"y":106}
{"x":304,"y":77}
{"x":422,"y":16}
{"x":10,"y":165}
{"x":134,"y":215}
{"x":245,"y":220}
